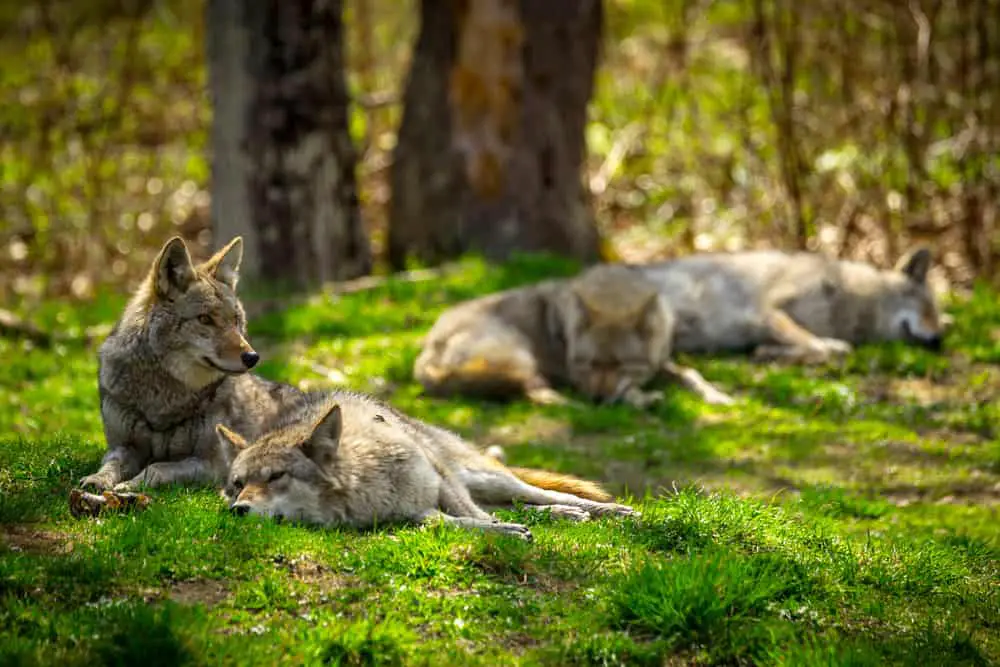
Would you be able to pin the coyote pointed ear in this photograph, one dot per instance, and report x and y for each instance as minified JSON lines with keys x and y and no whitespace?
{"x":173,"y":269}
{"x":322,"y":445}
{"x":230,"y":437}
{"x":225,"y":264}
{"x":915,"y":264}
{"x":656,"y":315}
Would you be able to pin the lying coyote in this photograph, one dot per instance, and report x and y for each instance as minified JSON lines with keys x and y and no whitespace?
{"x":344,"y":458}
{"x":611,"y":329}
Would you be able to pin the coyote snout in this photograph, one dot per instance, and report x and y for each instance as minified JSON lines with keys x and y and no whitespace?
{"x":231,"y":352}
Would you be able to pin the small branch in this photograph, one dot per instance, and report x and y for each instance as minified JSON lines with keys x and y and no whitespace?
{"x":13,"y":326}
{"x":331,"y":374}
{"x":619,"y":151}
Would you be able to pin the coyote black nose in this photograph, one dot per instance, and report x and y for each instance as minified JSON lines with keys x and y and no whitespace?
{"x":239,"y":509}
{"x":249,"y":359}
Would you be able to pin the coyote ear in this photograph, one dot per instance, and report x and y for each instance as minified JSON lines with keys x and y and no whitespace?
{"x":321,"y":446}
{"x":915,"y":264}
{"x":656,"y":314}
{"x":225,"y":264}
{"x":174,"y":271}
{"x":230,"y":437}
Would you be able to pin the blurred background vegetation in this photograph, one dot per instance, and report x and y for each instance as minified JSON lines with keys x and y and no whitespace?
{"x":853,"y":126}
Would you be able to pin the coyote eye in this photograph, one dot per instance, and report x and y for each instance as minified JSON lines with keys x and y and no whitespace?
{"x":205,"y":319}
{"x":238,"y":484}
{"x":275,"y":477}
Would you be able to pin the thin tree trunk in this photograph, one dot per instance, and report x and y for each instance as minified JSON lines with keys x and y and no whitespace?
{"x":491,"y":144}
{"x":296,"y":158}
{"x":230,"y":86}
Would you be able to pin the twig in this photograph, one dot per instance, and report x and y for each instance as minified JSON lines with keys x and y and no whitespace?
{"x":619,"y":151}
{"x":331,"y":374}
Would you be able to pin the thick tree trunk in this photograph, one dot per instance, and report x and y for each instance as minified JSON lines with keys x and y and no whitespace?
{"x":491,"y":143}
{"x":295,"y":158}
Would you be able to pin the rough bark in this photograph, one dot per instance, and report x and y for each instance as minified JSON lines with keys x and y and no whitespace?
{"x":229,"y":86}
{"x":491,"y":144}
{"x":294,"y":154}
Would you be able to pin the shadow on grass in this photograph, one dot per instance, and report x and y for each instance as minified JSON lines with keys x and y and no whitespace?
{"x":37,"y":476}
{"x":128,"y":632}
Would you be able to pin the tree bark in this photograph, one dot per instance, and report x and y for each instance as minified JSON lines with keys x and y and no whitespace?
{"x":294,"y":192}
{"x":491,"y":144}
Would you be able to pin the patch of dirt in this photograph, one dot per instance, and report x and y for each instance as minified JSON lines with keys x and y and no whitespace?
{"x":197,"y":591}
{"x":966,"y":383}
{"x":986,"y":495}
{"x":313,"y":573}
{"x":536,"y":427}
{"x":954,"y":437}
{"x":34,"y":541}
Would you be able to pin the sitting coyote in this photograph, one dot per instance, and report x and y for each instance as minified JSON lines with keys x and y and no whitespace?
{"x":613,"y":328}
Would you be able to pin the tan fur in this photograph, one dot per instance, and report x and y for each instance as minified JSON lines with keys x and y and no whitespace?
{"x":343,"y":458}
{"x":611,"y":329}
{"x":553,"y":481}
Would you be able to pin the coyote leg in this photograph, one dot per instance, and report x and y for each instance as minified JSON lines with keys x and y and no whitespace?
{"x":697,"y":383}
{"x":458,"y":508}
{"x":487,"y":525}
{"x":168,"y":472}
{"x":795,"y":343}
{"x":503,"y":488}
{"x":118,"y":464}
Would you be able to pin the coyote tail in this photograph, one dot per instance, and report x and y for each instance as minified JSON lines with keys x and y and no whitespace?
{"x":553,"y":481}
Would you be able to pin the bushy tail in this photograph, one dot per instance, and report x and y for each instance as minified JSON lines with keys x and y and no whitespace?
{"x":553,"y":481}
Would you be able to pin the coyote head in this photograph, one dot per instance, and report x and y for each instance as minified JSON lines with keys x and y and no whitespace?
{"x":283,"y":474}
{"x":907,"y":309}
{"x":193,"y":318}
{"x":616,"y":328}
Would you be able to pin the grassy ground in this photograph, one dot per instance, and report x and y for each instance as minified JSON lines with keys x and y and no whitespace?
{"x":838,"y":515}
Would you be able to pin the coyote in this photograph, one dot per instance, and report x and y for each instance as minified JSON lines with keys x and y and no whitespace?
{"x":176,"y":363}
{"x":342,"y":458}
{"x":612,"y":328}
{"x":799,"y":306}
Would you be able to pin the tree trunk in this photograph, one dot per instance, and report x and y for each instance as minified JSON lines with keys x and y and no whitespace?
{"x":491,"y":144}
{"x":290,"y":176}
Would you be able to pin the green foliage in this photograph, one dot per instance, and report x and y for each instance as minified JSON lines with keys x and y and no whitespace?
{"x":839,"y":515}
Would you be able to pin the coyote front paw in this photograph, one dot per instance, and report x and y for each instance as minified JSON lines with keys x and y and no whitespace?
{"x":642,"y":399}
{"x":716,"y":397}
{"x":546,"y":396}
{"x":836,"y":347}
{"x":605,"y":509}
{"x":514,"y":530}
{"x":150,"y":477}
{"x":96,"y":482}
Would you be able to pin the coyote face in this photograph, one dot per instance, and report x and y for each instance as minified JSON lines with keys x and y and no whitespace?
{"x":617,"y":333}
{"x":907,"y":308}
{"x":282,"y":474}
{"x":195,"y":321}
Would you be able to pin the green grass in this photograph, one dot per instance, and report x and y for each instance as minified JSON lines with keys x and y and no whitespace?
{"x":839,"y":515}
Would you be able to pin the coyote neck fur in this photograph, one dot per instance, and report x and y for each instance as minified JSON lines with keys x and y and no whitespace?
{"x":167,"y":402}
